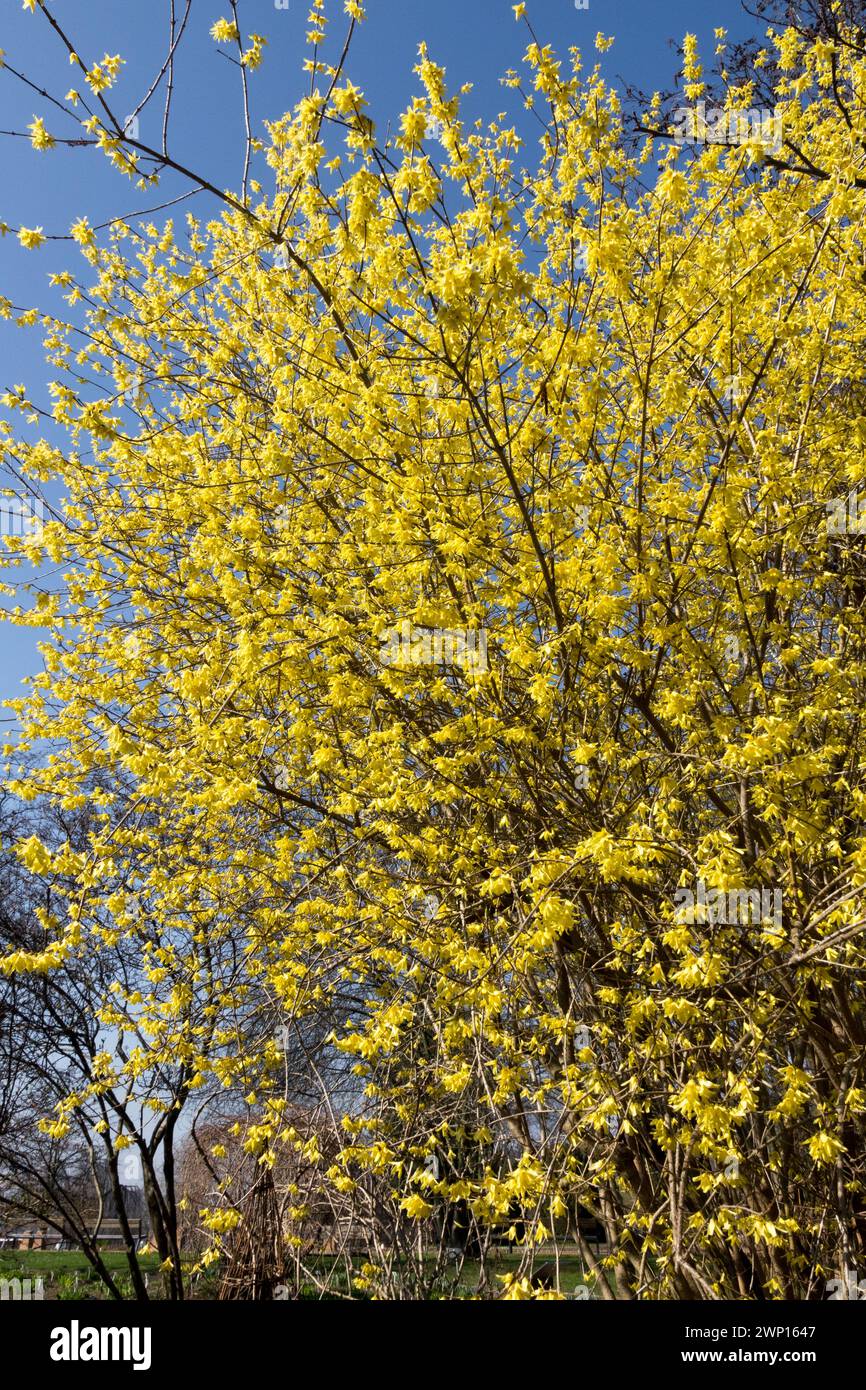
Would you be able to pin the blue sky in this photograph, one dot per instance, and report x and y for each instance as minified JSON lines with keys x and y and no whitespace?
{"x":475,"y":40}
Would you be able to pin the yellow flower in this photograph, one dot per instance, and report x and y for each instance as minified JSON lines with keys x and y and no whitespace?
{"x":516,"y":1290}
{"x":346,"y":99}
{"x":221,"y":1221}
{"x":33,"y":854}
{"x":224,"y":31}
{"x":82,"y":232}
{"x":416,"y":1206}
{"x":102,"y":75}
{"x":31,"y":237}
{"x":824,"y":1147}
{"x":56,"y":1129}
{"x":40,"y":138}
{"x":253,"y":55}
{"x":673,"y":188}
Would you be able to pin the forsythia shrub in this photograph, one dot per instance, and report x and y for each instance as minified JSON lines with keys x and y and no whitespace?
{"x":456,"y":586}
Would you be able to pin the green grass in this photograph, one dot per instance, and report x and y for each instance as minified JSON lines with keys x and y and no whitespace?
{"x":571,"y":1272}
{"x":24,"y":1263}
{"x":68,"y":1275}
{"x":464,"y":1285}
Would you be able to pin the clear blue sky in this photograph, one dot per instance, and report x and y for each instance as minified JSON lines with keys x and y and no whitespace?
{"x":476,"y":40}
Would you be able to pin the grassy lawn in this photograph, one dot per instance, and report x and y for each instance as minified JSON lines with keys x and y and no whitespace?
{"x":570,"y":1272}
{"x":25,"y":1264}
{"x":67,"y":1274}
{"x":466,"y":1282}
